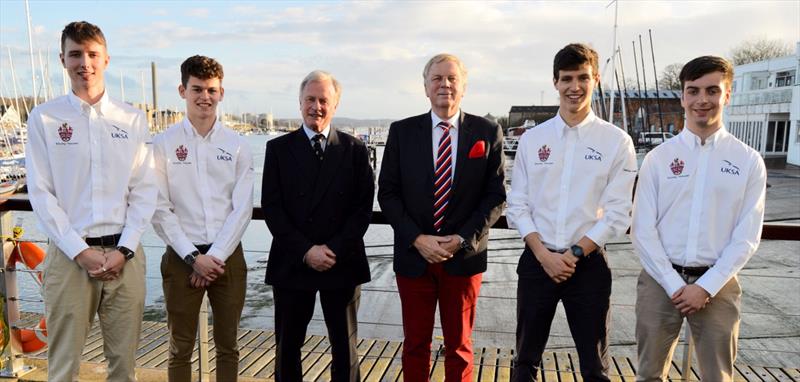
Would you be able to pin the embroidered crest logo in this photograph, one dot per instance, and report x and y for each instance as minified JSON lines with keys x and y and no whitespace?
{"x":181,"y":152}
{"x":544,"y":153}
{"x":676,"y":166}
{"x":65,"y":132}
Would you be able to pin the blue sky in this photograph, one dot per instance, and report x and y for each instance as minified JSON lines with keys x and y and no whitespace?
{"x":377,"y":49}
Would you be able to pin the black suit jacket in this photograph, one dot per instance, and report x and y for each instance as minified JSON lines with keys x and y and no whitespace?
{"x":308,"y":203}
{"x":405,"y":191}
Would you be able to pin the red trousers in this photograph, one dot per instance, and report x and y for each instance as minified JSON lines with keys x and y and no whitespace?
{"x":457,"y":297}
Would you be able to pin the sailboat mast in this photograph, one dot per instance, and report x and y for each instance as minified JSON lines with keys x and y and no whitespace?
{"x":30,"y":51}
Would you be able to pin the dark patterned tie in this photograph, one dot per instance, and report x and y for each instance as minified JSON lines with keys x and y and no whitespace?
{"x":443,"y":177}
{"x":318,"y":146}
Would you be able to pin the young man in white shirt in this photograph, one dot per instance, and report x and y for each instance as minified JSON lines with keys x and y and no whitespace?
{"x":696,"y":222}
{"x":92,"y":190}
{"x":204,"y":173}
{"x":570,"y":193}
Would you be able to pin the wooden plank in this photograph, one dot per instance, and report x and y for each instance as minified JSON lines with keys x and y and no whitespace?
{"x":309,"y":353}
{"x":793,"y":373}
{"x":674,"y":373}
{"x":747,"y":374}
{"x":322,"y":363}
{"x":371,"y":356}
{"x":504,"y":358}
{"x":488,"y":365}
{"x":624,"y":368}
{"x":564,"y":367}
{"x":778,"y":374}
{"x":382,"y":367}
{"x":762,"y":373}
{"x":437,"y":362}
{"x":249,"y":364}
{"x":549,"y":370}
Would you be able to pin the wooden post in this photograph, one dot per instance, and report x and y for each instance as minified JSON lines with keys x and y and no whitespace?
{"x":205,"y":375}
{"x":11,"y":358}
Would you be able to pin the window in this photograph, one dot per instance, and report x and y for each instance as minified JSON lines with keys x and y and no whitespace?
{"x":784,"y":78}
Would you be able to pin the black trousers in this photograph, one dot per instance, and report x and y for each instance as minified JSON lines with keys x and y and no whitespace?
{"x":294,"y":309}
{"x":586,"y":299}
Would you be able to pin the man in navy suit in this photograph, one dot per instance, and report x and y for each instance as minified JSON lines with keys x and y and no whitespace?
{"x":441,"y":188}
{"x":317,"y":196}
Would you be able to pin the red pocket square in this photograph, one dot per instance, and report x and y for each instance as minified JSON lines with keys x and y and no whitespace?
{"x":478,"y":150}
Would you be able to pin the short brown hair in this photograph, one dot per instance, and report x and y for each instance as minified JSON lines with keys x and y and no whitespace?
{"x":572,"y":56}
{"x":201,"y":67}
{"x":80,"y":32}
{"x":703,"y":65}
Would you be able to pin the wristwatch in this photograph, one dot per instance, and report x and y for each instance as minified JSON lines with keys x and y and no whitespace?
{"x":126,"y":252}
{"x":191,"y":258}
{"x":465,"y":245}
{"x":577,"y":251}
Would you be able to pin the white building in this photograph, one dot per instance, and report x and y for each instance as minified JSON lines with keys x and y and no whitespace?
{"x":765,"y":106}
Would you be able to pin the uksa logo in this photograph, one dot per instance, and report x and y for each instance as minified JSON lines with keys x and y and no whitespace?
{"x":592,"y":154}
{"x":224,"y":155}
{"x":119,"y":133}
{"x":729,"y":168}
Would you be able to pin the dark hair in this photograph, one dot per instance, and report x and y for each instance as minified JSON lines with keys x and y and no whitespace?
{"x":80,"y":32}
{"x":703,"y":65}
{"x":572,"y":56}
{"x":201,"y":67}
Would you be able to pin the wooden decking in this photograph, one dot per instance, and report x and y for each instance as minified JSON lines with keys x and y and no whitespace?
{"x":380,"y":359}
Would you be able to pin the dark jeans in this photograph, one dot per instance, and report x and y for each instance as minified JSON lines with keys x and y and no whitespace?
{"x":294,"y":309}
{"x":586,"y":298}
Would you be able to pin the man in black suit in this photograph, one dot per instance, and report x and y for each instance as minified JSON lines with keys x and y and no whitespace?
{"x":317,"y":196}
{"x":441,"y":188}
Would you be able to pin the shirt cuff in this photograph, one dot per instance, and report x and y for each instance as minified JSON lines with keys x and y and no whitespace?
{"x":216,"y":252}
{"x":672,"y":282}
{"x":183,"y":247}
{"x":600,"y":233}
{"x":130,"y":239}
{"x":525,"y":228}
{"x":72,"y":245}
{"x":712,"y":281}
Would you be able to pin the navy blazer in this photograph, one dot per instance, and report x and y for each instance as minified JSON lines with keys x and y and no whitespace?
{"x":405,"y":191}
{"x":308,"y":203}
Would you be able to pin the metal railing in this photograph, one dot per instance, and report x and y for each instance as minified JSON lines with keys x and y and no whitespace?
{"x":11,"y":362}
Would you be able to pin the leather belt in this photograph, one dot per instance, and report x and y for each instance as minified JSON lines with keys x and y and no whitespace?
{"x":104,"y":241}
{"x":690,"y":271}
{"x":203,"y":248}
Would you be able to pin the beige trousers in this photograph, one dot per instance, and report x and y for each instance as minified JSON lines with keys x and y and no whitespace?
{"x":71,"y":300}
{"x":715,"y":331}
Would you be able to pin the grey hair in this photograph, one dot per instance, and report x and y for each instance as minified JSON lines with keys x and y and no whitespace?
{"x":318,"y":76}
{"x":441,"y":57}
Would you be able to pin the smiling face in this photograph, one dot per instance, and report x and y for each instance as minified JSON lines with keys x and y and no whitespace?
{"x":575,"y":88}
{"x":318,"y":102}
{"x":444,"y":86}
{"x":85,"y":63}
{"x":703,"y":100}
{"x":202,"y":97}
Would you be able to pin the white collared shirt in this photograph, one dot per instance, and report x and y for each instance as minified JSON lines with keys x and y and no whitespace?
{"x":437,"y":135}
{"x":699,"y":205}
{"x":311,"y":133}
{"x":570,"y":182}
{"x":205,"y":188}
{"x":89,"y":171}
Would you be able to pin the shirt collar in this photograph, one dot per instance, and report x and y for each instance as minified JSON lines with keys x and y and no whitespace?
{"x":311,"y":133}
{"x":691,"y":140}
{"x":83,"y":107}
{"x":580,"y":128}
{"x":453,"y":121}
{"x":190,"y":130}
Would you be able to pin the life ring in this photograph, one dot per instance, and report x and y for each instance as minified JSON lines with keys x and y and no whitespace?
{"x":32,"y":256}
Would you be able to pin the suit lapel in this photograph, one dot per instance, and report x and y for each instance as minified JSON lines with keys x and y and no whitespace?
{"x":465,"y":139}
{"x":303,"y":153}
{"x":330,"y":165}
{"x":426,"y":155}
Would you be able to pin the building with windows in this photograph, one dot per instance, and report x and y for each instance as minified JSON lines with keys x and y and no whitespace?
{"x":765,"y":109}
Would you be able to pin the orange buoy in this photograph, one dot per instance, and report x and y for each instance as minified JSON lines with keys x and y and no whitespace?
{"x":32,"y":256}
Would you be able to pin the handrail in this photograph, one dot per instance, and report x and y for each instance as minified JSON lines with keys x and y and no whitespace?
{"x":771,"y":231}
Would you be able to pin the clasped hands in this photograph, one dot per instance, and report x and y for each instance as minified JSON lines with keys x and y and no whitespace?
{"x":559,"y":266}
{"x":436,"y":249}
{"x":100,"y":265}
{"x":206,"y":270}
{"x":690,"y":299}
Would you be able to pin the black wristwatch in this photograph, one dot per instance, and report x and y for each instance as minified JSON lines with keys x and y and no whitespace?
{"x":126,"y":252}
{"x":577,"y":251}
{"x":465,"y":245}
{"x":191,"y":258}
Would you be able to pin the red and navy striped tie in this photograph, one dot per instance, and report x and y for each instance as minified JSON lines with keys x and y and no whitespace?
{"x":443,"y":176}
